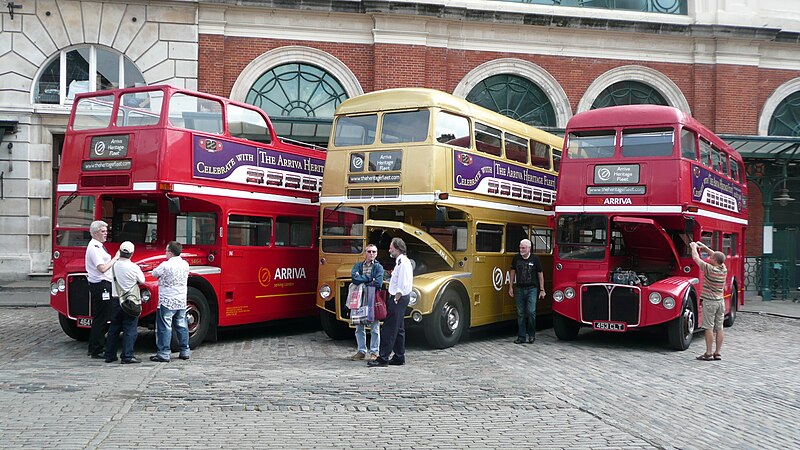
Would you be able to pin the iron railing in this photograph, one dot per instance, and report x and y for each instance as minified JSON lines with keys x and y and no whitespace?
{"x":654,"y":6}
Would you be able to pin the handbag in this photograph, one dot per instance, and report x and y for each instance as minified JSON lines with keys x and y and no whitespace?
{"x":131,"y":301}
{"x":354,"y":295}
{"x":380,"y":304}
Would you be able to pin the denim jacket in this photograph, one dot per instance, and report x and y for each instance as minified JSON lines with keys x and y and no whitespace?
{"x":376,"y":279}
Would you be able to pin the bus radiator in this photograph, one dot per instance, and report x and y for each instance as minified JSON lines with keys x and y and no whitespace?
{"x":610,"y":302}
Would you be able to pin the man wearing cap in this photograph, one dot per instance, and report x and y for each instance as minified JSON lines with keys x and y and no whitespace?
{"x":126,"y":275}
{"x":98,"y":262}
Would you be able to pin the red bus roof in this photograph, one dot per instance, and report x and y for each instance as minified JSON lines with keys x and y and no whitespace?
{"x":630,"y":116}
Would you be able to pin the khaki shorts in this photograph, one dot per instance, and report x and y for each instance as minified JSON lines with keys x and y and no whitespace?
{"x":713,"y":314}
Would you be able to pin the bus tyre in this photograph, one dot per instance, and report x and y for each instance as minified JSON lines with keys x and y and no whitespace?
{"x":445,"y":325}
{"x":198,"y":319}
{"x":71,"y":329}
{"x":335,"y":329}
{"x":566,"y":329}
{"x":681,"y":329}
{"x":731,"y":317}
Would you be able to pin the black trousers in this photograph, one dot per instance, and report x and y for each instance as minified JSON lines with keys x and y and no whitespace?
{"x":393,"y":331}
{"x":101,"y":311}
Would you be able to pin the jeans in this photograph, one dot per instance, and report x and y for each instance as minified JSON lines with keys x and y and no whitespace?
{"x":125,"y":323}
{"x":165,"y":320}
{"x":526,"y":310}
{"x":375,"y":338}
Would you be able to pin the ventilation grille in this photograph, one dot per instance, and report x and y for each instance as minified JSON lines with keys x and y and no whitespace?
{"x":105,"y":180}
{"x":373,"y":193}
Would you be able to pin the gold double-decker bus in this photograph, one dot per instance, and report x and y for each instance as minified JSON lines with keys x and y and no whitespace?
{"x":460,"y":184}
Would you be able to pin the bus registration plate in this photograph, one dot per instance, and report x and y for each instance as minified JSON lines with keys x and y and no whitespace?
{"x":609,"y":326}
{"x":85,"y":322}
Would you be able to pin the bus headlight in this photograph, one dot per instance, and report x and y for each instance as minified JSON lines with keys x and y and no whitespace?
{"x":146,"y":295}
{"x":669,"y":303}
{"x":414,"y":297}
{"x":62,"y":286}
{"x":56,"y":254}
{"x":558,"y":296}
{"x":569,"y":293}
{"x":53,"y":289}
{"x":655,"y":298}
{"x":324,"y":291}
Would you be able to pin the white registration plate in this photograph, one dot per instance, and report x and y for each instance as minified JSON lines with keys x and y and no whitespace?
{"x":604,"y":325}
{"x":85,"y":322}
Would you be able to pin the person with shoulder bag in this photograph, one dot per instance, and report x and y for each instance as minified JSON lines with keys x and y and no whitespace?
{"x":127,"y":277}
{"x":368,"y":273}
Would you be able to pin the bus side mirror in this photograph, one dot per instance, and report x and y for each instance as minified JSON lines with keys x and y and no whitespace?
{"x":174,"y":204}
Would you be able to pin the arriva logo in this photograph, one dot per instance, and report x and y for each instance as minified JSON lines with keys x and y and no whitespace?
{"x":499,"y":279}
{"x":290,"y":273}
{"x":617,"y":201}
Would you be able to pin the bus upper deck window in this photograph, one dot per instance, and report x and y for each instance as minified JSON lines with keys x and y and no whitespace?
{"x":93,"y":112}
{"x":195,"y":113}
{"x":540,"y":155}
{"x":488,"y":139}
{"x":705,"y":152}
{"x":689,"y":144}
{"x":516,"y":148}
{"x":720,"y":161}
{"x":406,"y":126}
{"x":644,"y":143}
{"x":735,"y":170}
{"x":592,"y":144}
{"x":556,"y":160}
{"x":358,"y":130}
{"x":452,"y":130}
{"x":248,"y":124}
{"x":140,"y":109}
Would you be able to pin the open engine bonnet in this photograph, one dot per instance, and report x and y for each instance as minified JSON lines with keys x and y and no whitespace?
{"x":652,"y":254}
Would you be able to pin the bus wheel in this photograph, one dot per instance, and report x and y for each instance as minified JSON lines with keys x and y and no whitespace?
{"x":731,"y":317}
{"x":566,"y":329}
{"x":443,"y":328}
{"x":335,"y":329}
{"x":198,"y":319}
{"x":681,"y":329}
{"x":71,"y":329}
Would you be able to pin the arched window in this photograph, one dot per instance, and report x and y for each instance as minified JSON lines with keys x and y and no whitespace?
{"x":515,"y":97}
{"x":297,"y":90}
{"x":785,"y":120}
{"x":84,"y":69}
{"x":628,"y":93}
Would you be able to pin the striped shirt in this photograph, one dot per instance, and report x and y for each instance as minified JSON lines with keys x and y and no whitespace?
{"x":714,"y":282}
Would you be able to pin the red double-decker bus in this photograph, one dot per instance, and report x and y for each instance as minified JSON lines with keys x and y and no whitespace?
{"x":638,"y":184}
{"x":158,"y":164}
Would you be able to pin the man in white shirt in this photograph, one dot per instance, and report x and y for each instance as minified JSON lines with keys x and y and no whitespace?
{"x":98,"y":261}
{"x":393,"y":333}
{"x":126,"y":275}
{"x":173,"y":278}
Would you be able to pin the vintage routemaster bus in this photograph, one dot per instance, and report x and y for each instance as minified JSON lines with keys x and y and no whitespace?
{"x":638,"y":184}
{"x":460,"y":184}
{"x":158,"y":164}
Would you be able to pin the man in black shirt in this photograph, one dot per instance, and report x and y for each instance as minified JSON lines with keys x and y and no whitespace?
{"x":527,"y":285}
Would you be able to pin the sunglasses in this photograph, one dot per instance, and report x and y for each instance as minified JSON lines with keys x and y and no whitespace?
{"x":372,"y":251}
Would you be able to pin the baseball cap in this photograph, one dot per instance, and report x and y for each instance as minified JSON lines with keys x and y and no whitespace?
{"x":126,"y":247}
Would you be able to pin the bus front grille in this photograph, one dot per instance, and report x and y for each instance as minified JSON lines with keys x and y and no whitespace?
{"x":105,"y":180}
{"x":78,"y":296}
{"x":369,"y":193}
{"x":610,"y":302}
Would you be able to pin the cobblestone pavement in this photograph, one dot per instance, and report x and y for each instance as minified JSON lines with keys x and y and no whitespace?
{"x":289,"y":386}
